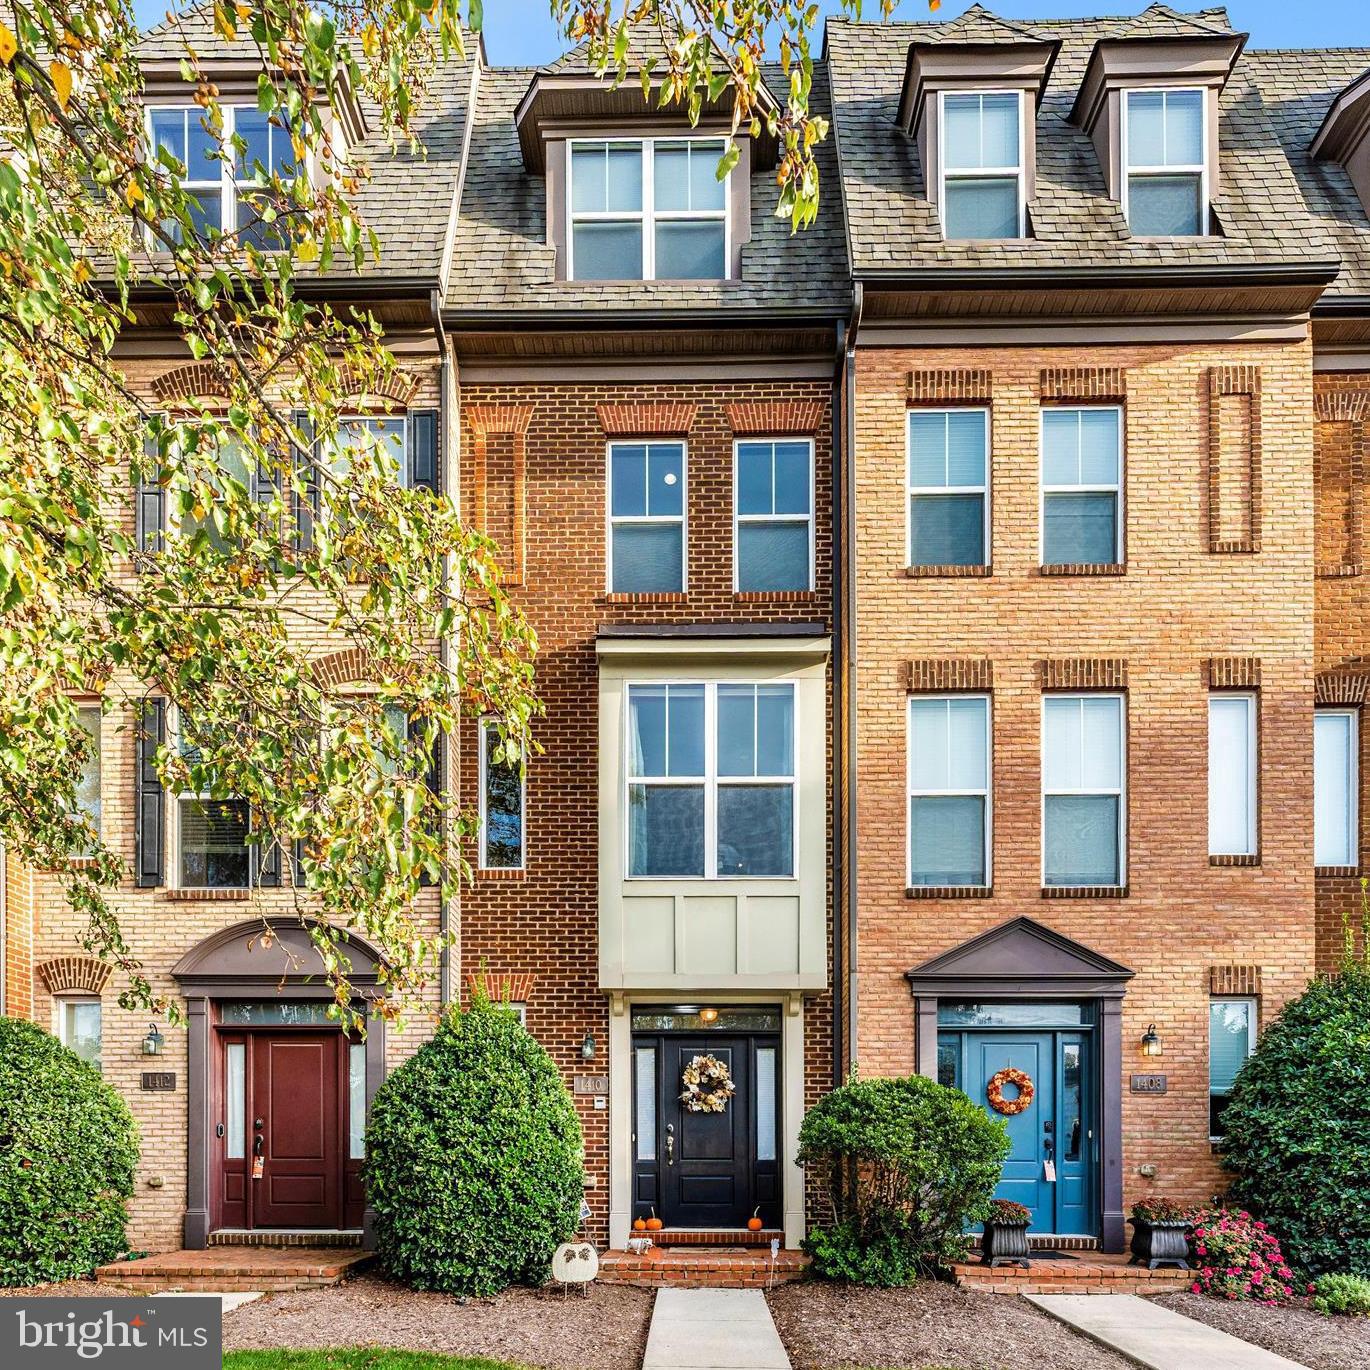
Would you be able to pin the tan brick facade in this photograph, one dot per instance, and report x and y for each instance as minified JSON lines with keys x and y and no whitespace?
{"x":1184,"y":614}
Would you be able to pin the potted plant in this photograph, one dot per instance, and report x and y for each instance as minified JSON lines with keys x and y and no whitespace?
{"x":1160,"y":1233}
{"x":1005,"y":1237}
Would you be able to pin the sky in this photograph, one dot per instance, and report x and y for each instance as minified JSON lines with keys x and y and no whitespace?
{"x":521,"y":32}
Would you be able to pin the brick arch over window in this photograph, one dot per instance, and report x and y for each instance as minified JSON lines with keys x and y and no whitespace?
{"x":400,"y":386}
{"x":194,"y":381}
{"x":515,"y":986}
{"x":74,"y":975}
{"x":344,"y":667}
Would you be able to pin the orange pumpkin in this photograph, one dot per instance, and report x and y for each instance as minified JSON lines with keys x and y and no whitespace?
{"x":654,"y":1224}
{"x":754,"y":1223}
{"x":639,"y":1224}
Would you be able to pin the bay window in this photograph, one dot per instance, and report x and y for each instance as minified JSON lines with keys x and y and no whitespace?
{"x":1166,"y":178}
{"x":711,"y":780}
{"x":1083,"y":812}
{"x":982,"y":165}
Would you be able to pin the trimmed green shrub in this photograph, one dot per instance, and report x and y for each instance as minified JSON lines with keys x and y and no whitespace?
{"x":903,"y":1167}
{"x":1347,"y":1295}
{"x":1297,"y":1129}
{"x":68,"y":1148}
{"x":474,"y":1159}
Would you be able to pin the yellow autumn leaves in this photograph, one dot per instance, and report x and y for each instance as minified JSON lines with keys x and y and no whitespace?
{"x":58,"y":71}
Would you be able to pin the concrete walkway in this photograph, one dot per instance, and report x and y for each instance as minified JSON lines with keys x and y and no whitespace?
{"x":1156,"y":1337}
{"x":713,"y":1329}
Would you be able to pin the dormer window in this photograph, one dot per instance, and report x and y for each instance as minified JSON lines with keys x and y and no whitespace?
{"x":647,"y":209}
{"x":1165,"y":187}
{"x":982,"y":165}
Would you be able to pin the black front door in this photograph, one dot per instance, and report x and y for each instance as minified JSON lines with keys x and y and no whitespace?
{"x":699,"y":1168}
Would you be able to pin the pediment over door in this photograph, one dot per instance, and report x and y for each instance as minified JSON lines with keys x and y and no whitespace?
{"x":1021,"y":958}
{"x":264,"y":956}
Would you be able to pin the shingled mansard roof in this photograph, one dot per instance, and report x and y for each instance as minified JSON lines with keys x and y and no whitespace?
{"x":1262,"y":220}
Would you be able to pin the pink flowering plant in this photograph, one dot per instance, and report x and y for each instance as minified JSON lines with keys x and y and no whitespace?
{"x":1238,"y":1258}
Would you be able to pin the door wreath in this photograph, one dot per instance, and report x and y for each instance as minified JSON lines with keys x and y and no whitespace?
{"x":708,"y":1085}
{"x":994,"y":1091}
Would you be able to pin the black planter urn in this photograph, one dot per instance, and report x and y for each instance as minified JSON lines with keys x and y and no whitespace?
{"x":1160,"y":1243}
{"x":1004,"y":1244}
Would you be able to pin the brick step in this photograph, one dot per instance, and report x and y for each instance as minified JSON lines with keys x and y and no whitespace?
{"x":728,"y":1267}
{"x":714,"y":1236}
{"x":1096,"y":1274}
{"x":226,"y":1268}
{"x":291,"y":1238}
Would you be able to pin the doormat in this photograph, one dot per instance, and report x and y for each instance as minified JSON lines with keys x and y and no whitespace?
{"x":1051,"y":1254}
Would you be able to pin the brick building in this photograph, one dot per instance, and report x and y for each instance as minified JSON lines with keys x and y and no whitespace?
{"x":936,"y":613}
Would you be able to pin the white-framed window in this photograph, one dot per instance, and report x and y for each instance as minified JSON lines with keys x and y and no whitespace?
{"x":710,"y":780}
{"x":646,"y":209}
{"x":773,"y":523}
{"x":1231,"y":1039}
{"x":950,"y":821}
{"x":212,"y":848}
{"x":88,"y":782}
{"x":220,"y":446}
{"x":1336,"y":785}
{"x":517,"y":1008}
{"x":948,"y":487}
{"x":1165,"y":182}
{"x":223,"y":183}
{"x":646,"y":536}
{"x":503,"y":796}
{"x":79,"y":1026}
{"x":1232,"y":769}
{"x":1082,"y":485}
{"x":1084,"y":809}
{"x":982,"y":164}
{"x":386,"y":433}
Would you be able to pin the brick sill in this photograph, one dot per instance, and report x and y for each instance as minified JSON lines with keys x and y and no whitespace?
{"x":1333,"y":572}
{"x":947,"y":572}
{"x":1336,"y":872}
{"x":77,"y":863}
{"x":776,"y":596}
{"x":1244,"y":859}
{"x":498,"y":873}
{"x":645,"y":597}
{"x":949,"y":892}
{"x":1084,"y":891}
{"x":1072,"y":568}
{"x":195,"y":896}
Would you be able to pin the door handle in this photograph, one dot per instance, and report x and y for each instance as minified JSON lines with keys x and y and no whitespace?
{"x":670,"y":1143}
{"x":257,"y":1146}
{"x":219,"y":1130}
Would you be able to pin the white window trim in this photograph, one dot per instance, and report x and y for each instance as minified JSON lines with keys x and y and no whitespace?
{"x":710,"y":780}
{"x":1250,"y":699}
{"x":1121,"y":791}
{"x":987,"y":793}
{"x":1179,"y":169}
{"x":610,"y":518}
{"x":807,"y":519}
{"x":483,"y":752}
{"x":978,"y":173}
{"x":1252,"y":1033}
{"x":59,"y":1020}
{"x":911,"y":489}
{"x":227,"y":181}
{"x":400,"y":416}
{"x":1352,"y":788}
{"x":173,"y":824}
{"x":647,"y":217}
{"x":84,"y":705}
{"x":1043,"y":489}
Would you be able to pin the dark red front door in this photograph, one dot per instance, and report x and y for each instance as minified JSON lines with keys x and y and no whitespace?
{"x":296,"y":1129}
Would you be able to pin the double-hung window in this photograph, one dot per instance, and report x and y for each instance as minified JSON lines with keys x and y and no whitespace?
{"x":948,"y":487}
{"x":711,"y":781}
{"x":773,"y":484}
{"x":1083,"y":810}
{"x":1166,"y":181}
{"x":647,"y":210}
{"x":646,"y":517}
{"x":371,"y":434}
{"x":1336,"y":827}
{"x":79,"y":1027}
{"x":224,"y":450}
{"x":949,"y":790}
{"x":502,"y":797}
{"x":982,"y":165}
{"x":1082,"y":465}
{"x":1231,"y":1039}
{"x":88,"y":782}
{"x":1232,"y":775}
{"x":179,"y":132}
{"x":212,"y":836}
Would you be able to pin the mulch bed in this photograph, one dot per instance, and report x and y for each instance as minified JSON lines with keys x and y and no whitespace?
{"x":928,"y":1326}
{"x":605,"y":1330}
{"x":1294,"y":1331}
{"x":70,"y":1289}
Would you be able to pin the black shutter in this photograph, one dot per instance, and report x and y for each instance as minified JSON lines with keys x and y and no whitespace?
{"x":269,"y":862}
{"x":266,"y":482}
{"x":297,"y":863}
{"x":423,"y":449}
{"x":150,"y":509}
{"x":433,"y":777}
{"x":306,"y":483}
{"x":148,"y":796}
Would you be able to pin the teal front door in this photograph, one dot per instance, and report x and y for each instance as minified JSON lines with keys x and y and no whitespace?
{"x":1051,"y":1141}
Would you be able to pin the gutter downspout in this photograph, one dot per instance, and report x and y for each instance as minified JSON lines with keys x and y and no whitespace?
{"x":445,"y":466}
{"x":839,"y":862}
{"x":848,"y":666}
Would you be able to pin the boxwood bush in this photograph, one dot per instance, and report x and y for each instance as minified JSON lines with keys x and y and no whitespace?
{"x":1342,"y":1295}
{"x":474,"y":1159}
{"x":68,"y":1148}
{"x":903,"y":1167}
{"x":1297,"y":1129}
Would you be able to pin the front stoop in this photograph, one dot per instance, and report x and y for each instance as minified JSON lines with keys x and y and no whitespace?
{"x":1092,"y":1273}
{"x":718,"y":1267}
{"x":222,"y":1269}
